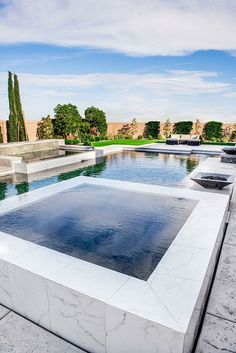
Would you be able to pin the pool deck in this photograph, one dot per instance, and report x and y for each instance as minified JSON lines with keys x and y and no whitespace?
{"x":218,"y":331}
{"x":19,"y":335}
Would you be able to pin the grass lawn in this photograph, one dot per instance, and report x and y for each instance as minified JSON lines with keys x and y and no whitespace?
{"x":122,"y":142}
{"x":144,"y":142}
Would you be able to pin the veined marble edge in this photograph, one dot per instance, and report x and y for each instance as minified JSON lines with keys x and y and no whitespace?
{"x":56,"y":188}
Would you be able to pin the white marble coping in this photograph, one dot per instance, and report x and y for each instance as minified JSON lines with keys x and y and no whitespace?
{"x":171,"y":292}
{"x":163,"y":148}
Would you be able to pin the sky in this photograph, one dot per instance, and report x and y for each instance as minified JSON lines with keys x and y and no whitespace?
{"x":149,"y":60}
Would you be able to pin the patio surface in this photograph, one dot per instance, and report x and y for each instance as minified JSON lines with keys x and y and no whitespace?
{"x":18,"y":335}
{"x":218,"y":333}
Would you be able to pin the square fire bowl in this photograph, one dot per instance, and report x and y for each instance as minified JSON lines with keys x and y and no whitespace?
{"x":215,"y":182}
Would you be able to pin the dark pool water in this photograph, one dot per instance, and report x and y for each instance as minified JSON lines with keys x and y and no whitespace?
{"x":143,"y":167}
{"x":125,"y":231}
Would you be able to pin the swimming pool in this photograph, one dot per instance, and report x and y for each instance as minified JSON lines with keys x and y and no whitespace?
{"x":144,"y":167}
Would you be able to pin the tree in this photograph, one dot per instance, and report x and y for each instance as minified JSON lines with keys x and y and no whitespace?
{"x":97,"y":120}
{"x":128,"y":130}
{"x":167,"y":128}
{"x":45,"y":128}
{"x":1,"y":137}
{"x":197,"y":126}
{"x":22,"y":136}
{"x":12,"y":125}
{"x":67,"y":121}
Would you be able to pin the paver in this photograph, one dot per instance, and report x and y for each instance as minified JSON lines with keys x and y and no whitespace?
{"x":3,"y":311}
{"x":18,"y":335}
{"x":217,"y":335}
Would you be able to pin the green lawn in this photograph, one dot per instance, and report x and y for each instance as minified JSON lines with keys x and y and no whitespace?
{"x":144,"y":142}
{"x":122,"y":142}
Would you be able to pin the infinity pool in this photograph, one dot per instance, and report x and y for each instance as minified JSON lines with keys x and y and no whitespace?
{"x":143,"y":167}
{"x":126,"y":231}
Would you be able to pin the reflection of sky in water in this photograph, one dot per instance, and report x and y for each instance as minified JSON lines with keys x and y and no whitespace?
{"x":125,"y":231}
{"x":144,"y":167}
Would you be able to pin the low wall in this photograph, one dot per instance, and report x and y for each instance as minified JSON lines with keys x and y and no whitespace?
{"x":15,"y":148}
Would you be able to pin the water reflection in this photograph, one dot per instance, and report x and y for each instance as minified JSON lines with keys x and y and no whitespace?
{"x":22,"y":188}
{"x":145,"y":167}
{"x":3,"y":190}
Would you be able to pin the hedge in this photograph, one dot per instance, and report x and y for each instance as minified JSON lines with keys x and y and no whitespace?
{"x":183,"y":127}
{"x":212,"y":130}
{"x":152,"y":128}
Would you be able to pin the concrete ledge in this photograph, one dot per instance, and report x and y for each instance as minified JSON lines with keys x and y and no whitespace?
{"x":11,"y":149}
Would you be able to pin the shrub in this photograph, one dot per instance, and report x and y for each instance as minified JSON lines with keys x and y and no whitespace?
{"x":45,"y":129}
{"x":104,"y":137}
{"x":150,"y":137}
{"x":128,"y":130}
{"x":97,"y":138}
{"x":160,"y":137}
{"x":72,"y":142}
{"x":152,"y":128}
{"x":212,"y":131}
{"x":183,"y":127}
{"x":85,"y":139}
{"x":233,"y":136}
{"x":140,"y":137}
{"x":224,"y":139}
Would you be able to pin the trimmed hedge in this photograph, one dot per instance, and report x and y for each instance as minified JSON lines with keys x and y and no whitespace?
{"x":152,"y":128}
{"x":213,"y":131}
{"x":183,"y":127}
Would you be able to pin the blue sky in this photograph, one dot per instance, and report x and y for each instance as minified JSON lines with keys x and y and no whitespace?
{"x":149,"y":60}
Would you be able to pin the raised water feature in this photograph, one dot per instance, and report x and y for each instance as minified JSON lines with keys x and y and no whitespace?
{"x":125,"y":231}
{"x":100,"y":307}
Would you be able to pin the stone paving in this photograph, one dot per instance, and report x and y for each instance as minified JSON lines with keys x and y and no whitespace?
{"x":18,"y":335}
{"x":218,"y":333}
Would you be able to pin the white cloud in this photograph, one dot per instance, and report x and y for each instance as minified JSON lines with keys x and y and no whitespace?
{"x":177,"y":94}
{"x":133,"y":27}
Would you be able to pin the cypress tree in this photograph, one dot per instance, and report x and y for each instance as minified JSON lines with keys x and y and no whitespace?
{"x":1,"y":137}
{"x":22,"y":136}
{"x":12,"y":126}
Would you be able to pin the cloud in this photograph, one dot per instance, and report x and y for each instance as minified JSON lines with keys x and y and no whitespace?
{"x":175,"y":93}
{"x":133,"y":27}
